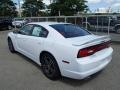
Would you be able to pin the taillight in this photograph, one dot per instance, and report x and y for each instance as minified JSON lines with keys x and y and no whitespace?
{"x":92,"y":49}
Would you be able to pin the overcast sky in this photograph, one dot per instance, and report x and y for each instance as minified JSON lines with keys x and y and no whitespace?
{"x":95,"y":4}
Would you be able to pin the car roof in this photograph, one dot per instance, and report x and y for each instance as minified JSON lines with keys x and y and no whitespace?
{"x":47,"y":23}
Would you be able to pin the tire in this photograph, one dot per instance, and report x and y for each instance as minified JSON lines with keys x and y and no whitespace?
{"x":10,"y":45}
{"x":50,"y":67}
{"x":118,"y":30}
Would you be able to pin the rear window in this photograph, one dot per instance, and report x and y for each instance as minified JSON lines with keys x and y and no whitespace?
{"x":70,"y":30}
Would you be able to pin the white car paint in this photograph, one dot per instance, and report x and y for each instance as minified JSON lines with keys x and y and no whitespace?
{"x":64,"y":49}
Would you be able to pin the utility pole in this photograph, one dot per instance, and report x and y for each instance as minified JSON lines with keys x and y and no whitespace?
{"x":50,"y":1}
{"x":19,"y":4}
{"x":118,"y":10}
{"x":59,"y":13}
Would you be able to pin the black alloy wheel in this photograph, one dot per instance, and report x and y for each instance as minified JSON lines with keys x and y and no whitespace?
{"x":50,"y":67}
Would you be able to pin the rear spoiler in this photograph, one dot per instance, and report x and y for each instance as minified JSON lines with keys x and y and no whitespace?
{"x":99,"y":40}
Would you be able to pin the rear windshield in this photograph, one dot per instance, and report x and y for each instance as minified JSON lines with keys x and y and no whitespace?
{"x":70,"y":30}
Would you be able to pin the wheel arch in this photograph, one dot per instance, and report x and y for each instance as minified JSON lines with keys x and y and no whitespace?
{"x":9,"y":38}
{"x":116,"y":26}
{"x":88,"y":24}
{"x":43,"y":52}
{"x":40,"y":56}
{"x":12,"y":38}
{"x":13,"y":48}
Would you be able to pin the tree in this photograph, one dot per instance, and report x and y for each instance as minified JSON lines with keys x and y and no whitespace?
{"x":68,"y":7}
{"x":32,"y":7}
{"x":7,"y":8}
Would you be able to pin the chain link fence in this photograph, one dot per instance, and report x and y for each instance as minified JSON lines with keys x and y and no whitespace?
{"x":97,"y":24}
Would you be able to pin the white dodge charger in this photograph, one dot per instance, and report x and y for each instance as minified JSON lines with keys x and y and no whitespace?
{"x":62,"y":49}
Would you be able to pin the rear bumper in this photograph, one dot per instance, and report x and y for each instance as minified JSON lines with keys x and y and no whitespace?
{"x":90,"y":65}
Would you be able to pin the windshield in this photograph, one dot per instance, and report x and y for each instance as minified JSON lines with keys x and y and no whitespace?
{"x":70,"y":30}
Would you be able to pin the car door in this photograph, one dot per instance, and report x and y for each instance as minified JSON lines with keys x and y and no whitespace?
{"x":22,"y":38}
{"x":35,"y":42}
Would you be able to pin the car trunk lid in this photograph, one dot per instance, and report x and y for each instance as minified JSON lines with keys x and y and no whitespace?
{"x":88,"y":40}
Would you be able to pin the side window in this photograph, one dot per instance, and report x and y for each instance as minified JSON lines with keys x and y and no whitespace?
{"x":39,"y":31}
{"x":36,"y":31}
{"x":26,"y":30}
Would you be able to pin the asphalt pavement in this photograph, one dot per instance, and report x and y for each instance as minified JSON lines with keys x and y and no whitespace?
{"x":17,"y":72}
